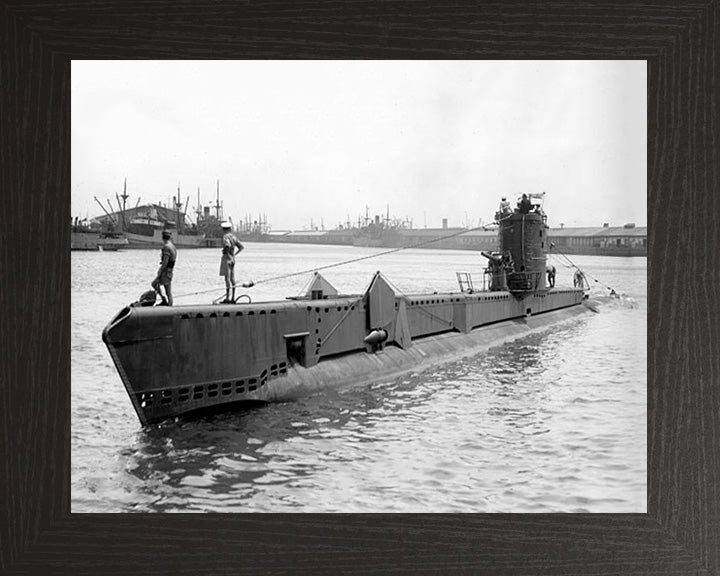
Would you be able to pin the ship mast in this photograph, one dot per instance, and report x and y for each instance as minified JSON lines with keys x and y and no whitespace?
{"x":124,"y":196}
{"x":177,"y":207}
{"x":198,"y":210}
{"x":217,"y":202}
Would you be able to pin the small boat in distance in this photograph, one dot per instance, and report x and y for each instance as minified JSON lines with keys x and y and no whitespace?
{"x":182,"y":360}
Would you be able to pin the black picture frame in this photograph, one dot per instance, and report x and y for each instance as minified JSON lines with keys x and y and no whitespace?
{"x":680,"y":534}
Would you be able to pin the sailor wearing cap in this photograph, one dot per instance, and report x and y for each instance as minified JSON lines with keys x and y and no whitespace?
{"x":168,"y":255}
{"x":227,"y":261}
{"x":524,"y":205}
{"x":504,"y":206}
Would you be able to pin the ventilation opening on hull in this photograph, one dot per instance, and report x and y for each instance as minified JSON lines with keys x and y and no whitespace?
{"x":296,"y":348}
{"x":146,"y":399}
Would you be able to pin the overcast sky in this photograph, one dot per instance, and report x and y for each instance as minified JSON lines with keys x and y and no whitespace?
{"x":320,"y":140}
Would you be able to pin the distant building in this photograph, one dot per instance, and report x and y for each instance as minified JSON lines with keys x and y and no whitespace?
{"x":627,"y":240}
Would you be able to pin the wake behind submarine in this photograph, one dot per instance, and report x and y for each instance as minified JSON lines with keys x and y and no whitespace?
{"x":183,"y":360}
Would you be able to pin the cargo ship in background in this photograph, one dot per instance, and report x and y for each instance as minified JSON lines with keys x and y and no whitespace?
{"x":184,"y":360}
{"x":252,"y":230}
{"x":144,"y":224}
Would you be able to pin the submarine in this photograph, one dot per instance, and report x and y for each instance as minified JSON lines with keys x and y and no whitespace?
{"x":181,"y":361}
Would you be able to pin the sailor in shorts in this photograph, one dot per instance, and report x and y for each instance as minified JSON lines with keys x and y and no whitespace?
{"x":168,"y":255}
{"x":227,"y":262}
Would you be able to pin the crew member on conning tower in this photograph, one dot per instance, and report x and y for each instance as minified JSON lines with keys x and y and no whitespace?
{"x":504,"y":206}
{"x":524,"y":205}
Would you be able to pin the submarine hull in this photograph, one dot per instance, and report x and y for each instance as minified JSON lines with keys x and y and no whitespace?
{"x":174,"y":361}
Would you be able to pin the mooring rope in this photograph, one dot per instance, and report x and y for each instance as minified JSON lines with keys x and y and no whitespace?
{"x":573,"y":265}
{"x":328,"y":266}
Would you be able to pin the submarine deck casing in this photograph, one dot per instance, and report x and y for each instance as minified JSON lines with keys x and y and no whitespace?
{"x":176,"y":360}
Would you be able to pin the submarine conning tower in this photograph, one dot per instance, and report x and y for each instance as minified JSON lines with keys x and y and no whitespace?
{"x":523,"y":233}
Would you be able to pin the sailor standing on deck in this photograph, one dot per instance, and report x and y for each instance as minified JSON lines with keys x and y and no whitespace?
{"x":550,"y":270}
{"x":227,"y":262}
{"x":579,"y":279}
{"x":168,"y":255}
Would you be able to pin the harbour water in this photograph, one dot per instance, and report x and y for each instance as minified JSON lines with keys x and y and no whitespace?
{"x":552,"y":422}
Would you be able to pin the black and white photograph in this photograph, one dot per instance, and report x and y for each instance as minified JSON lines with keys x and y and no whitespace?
{"x":378,"y":286}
